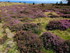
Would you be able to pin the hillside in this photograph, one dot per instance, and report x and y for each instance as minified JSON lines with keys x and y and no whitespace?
{"x":34,"y":28}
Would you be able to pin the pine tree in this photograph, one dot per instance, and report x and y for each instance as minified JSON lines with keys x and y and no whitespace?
{"x":68,"y":2}
{"x":33,"y":3}
{"x":61,"y":2}
{"x":56,"y":2}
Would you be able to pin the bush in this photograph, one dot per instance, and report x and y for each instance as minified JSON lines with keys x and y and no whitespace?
{"x":12,"y":21}
{"x":21,"y":11}
{"x":35,"y":28}
{"x":68,"y":43}
{"x":28,"y":42}
{"x":49,"y":39}
{"x":3,"y":39}
{"x":61,"y":25}
{"x":54,"y":42}
{"x":31,"y":12}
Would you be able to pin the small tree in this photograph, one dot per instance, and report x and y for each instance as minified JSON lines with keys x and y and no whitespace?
{"x":33,"y":3}
{"x":68,"y":2}
{"x":61,"y":2}
{"x":8,"y":1}
{"x":19,"y":2}
{"x":42,"y":4}
{"x":24,"y":2}
{"x":56,"y":2}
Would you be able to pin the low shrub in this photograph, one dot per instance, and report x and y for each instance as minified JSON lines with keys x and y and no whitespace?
{"x":54,"y":42}
{"x":68,"y":43}
{"x":3,"y":39}
{"x":28,"y":42}
{"x":35,"y":28}
{"x":61,"y":25}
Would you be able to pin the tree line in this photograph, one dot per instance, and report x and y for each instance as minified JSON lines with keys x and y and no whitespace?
{"x":68,"y":2}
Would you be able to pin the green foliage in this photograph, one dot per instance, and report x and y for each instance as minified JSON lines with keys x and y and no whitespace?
{"x":63,"y":34}
{"x":47,"y":51}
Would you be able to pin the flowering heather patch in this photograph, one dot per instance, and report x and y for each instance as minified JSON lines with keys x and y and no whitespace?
{"x":12,"y":21}
{"x":32,"y":13}
{"x":54,"y":42}
{"x":20,"y":21}
{"x":28,"y":42}
{"x":68,"y":43}
{"x":51,"y":13}
{"x":65,"y":15}
{"x":63,"y":12}
{"x":21,"y":11}
{"x":27,"y":27}
{"x":35,"y":28}
{"x":61,"y":24}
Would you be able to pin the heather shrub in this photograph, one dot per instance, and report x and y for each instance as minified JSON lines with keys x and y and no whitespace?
{"x":31,"y":13}
{"x":27,"y":27}
{"x":54,"y":42}
{"x":28,"y":42}
{"x":17,"y":25}
{"x":13,"y":24}
{"x":61,"y":25}
{"x":35,"y":28}
{"x":21,"y":11}
{"x":48,"y":37}
{"x":3,"y":39}
{"x":67,"y":42}
{"x":12,"y":21}
{"x":63,"y":12}
{"x":65,"y":15}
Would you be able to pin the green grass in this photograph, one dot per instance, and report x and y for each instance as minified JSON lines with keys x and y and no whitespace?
{"x":63,"y":34}
{"x":44,"y":21}
{"x":1,"y":30}
{"x":9,"y":45}
{"x":9,"y":3}
{"x":47,"y":51}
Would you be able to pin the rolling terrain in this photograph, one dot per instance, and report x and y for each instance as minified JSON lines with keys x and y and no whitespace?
{"x":34,"y":28}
